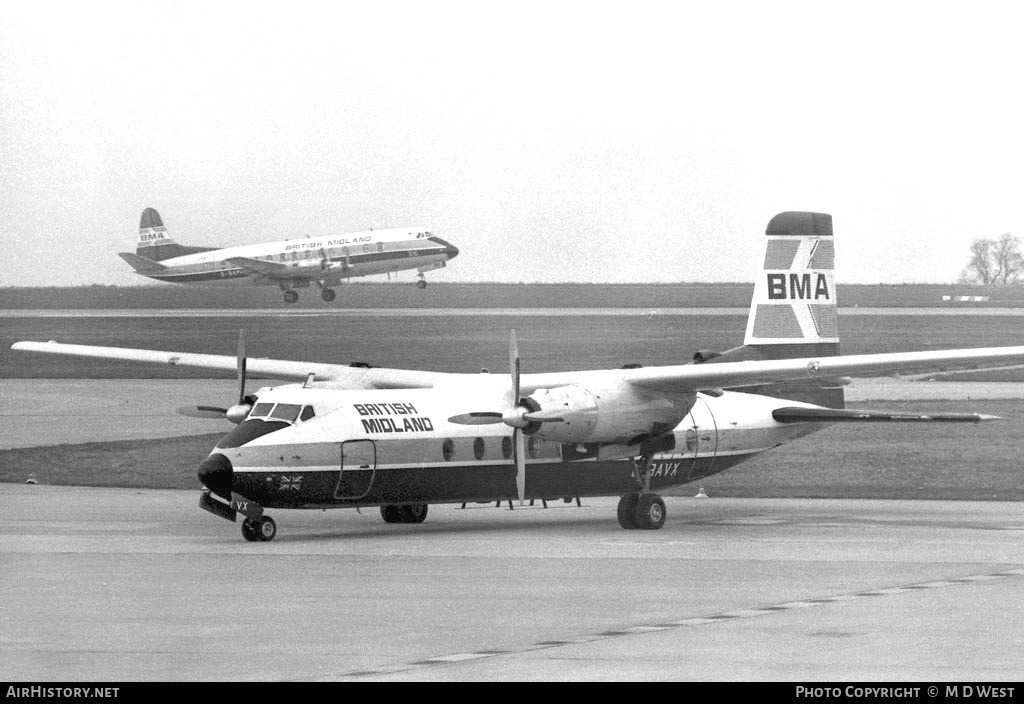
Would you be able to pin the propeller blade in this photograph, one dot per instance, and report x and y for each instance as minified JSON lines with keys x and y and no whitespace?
{"x":519,"y":448}
{"x":202,"y":411}
{"x":513,"y":364}
{"x":477,"y":418}
{"x":241,"y":366}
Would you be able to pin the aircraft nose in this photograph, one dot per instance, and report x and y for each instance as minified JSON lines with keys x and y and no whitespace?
{"x":450,"y":250}
{"x":216,"y":474}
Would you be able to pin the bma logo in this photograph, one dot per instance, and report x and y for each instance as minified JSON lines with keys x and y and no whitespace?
{"x":799,"y":287}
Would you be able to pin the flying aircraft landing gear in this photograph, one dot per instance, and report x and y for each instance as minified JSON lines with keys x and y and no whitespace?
{"x":327,"y":294}
{"x":642,"y":509}
{"x":262,"y":529}
{"x":290,"y":296}
{"x":422,"y":283}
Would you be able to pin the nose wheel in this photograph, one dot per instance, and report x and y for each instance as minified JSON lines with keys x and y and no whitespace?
{"x":262,"y":529}
{"x":327,"y":294}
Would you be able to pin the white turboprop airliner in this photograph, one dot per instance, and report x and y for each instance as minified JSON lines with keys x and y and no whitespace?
{"x":288,"y":264}
{"x":357,"y":436}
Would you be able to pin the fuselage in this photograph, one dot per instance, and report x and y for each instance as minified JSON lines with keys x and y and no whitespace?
{"x":328,"y":259}
{"x":318,"y":448}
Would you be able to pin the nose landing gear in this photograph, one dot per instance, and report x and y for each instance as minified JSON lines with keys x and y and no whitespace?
{"x":262,"y":529}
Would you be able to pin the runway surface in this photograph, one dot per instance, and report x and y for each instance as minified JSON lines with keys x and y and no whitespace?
{"x":129,"y":585}
{"x":43,"y":412}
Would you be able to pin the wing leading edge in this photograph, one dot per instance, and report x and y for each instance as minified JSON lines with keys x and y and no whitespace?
{"x":686,"y":378}
{"x":805,"y":414}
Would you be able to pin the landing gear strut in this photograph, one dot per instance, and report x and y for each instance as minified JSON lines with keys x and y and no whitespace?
{"x":642,"y":509}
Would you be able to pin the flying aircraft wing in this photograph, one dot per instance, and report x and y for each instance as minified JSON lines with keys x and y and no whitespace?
{"x":344,"y":376}
{"x":274,"y":270}
{"x":699,"y":377}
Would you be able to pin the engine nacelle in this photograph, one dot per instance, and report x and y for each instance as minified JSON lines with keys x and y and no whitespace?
{"x":616,"y":412}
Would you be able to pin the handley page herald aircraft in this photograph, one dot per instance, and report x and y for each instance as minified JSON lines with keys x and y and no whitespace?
{"x":289,"y":264}
{"x":356,"y":436}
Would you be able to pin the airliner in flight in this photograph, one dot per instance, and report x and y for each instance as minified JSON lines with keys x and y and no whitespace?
{"x":289,"y":264}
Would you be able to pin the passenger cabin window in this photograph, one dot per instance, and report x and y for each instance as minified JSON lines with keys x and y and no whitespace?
{"x":479,"y":448}
{"x":380,"y":246}
{"x":506,"y":447}
{"x":448,"y":449}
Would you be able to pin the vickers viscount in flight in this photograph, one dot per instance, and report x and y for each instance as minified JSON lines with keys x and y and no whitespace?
{"x":357,"y":436}
{"x":289,"y":264}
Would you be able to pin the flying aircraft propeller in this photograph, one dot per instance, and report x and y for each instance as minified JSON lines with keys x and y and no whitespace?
{"x":519,"y":415}
{"x":236,"y":413}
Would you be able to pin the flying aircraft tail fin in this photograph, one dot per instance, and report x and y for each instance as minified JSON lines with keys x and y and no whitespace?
{"x":155,"y":243}
{"x":794,"y":312}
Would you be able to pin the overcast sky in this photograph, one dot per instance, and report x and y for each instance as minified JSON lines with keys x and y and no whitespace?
{"x":550,"y":141}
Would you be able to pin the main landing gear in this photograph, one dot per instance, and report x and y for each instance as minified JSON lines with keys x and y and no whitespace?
{"x":422,"y":283}
{"x":406,"y":513}
{"x":290,"y":296}
{"x":642,"y":509}
{"x":327,"y":294}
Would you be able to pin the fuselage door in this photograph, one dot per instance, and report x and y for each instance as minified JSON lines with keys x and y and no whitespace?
{"x":701,"y":439}
{"x":358,"y":467}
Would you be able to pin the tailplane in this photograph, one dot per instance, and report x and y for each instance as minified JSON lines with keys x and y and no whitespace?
{"x":794,"y":312}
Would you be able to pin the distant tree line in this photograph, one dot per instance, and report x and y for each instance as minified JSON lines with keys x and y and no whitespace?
{"x":995,"y":262}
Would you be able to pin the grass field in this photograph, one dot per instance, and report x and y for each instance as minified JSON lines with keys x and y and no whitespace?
{"x":854,"y":461}
{"x":376,"y":295}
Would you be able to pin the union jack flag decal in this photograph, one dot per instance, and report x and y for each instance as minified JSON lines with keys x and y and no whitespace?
{"x":291,"y":483}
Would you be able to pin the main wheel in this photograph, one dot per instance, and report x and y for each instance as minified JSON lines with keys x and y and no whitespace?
{"x":267,"y":529}
{"x":391,"y":514}
{"x":414,"y":513}
{"x":290,"y":296}
{"x":650,"y":512}
{"x":627,"y":511}
{"x":421,"y":284}
{"x":250,"y":530}
{"x":327,"y":294}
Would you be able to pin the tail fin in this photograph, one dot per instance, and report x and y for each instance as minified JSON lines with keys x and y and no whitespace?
{"x":794,"y":312}
{"x":794,"y":304}
{"x":155,"y":244}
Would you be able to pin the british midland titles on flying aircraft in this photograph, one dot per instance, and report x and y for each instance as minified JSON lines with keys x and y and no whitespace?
{"x":358,"y":436}
{"x":289,"y":264}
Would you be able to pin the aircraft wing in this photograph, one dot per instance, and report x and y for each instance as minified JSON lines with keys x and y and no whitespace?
{"x":344,"y":376}
{"x":685,"y":378}
{"x":274,"y":270}
{"x":688,"y":378}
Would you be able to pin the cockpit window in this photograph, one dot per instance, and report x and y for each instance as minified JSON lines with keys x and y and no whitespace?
{"x":286,"y":411}
{"x":260,"y":410}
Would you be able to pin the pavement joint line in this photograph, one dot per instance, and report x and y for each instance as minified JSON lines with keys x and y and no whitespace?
{"x":681,"y":623}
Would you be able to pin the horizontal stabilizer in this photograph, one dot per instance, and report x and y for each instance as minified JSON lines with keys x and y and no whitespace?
{"x":804,"y":414}
{"x":141,"y":264}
